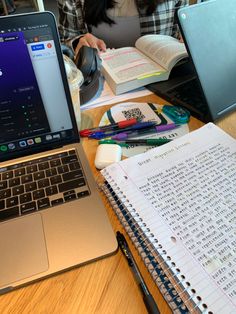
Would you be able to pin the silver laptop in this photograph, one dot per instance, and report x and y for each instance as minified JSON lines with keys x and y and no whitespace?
{"x":51,"y":214}
{"x":206,"y":84}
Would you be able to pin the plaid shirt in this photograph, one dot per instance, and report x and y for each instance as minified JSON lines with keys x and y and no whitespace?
{"x":162,"y":21}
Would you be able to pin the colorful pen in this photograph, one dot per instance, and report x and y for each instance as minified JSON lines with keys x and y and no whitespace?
{"x":148,"y":299}
{"x":122,"y":144}
{"x":157,"y":129}
{"x":119,"y":125}
{"x":146,"y":141}
{"x":137,"y":126}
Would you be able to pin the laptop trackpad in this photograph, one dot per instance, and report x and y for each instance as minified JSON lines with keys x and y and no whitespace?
{"x":23,"y":249}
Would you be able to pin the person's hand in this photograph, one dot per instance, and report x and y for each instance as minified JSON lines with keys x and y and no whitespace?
{"x":90,"y":40}
{"x":181,"y":38}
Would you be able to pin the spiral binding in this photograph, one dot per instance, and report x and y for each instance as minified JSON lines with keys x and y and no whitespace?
{"x":171,"y":283}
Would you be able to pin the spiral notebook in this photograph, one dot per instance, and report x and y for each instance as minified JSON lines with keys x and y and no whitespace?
{"x":177,"y":203}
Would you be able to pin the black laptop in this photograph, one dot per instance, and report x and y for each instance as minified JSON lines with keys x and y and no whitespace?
{"x":206,"y":83}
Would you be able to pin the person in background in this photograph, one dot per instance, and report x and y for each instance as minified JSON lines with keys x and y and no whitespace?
{"x":115,"y":23}
{"x":11,"y":6}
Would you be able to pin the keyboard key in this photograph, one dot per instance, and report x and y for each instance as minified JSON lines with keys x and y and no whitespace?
{"x":55,"y":180}
{"x":74,"y":166}
{"x":27,"y":178}
{"x":25,"y":198}
{"x":3,"y":185}
{"x":5,"y":193}
{"x":31,"y":169}
{"x":70,"y":185}
{"x":14,"y":182}
{"x":69,"y":192}
{"x":43,"y":203}
{"x":51,"y":190}
{"x":9,"y":213}
{"x":69,"y":197}
{"x":55,"y":163}
{"x":43,"y":183}
{"x":12,"y":201}
{"x":72,"y":175}
{"x":29,"y":207}
{"x":19,"y":172}
{"x":57,"y":201}
{"x":43,"y":165}
{"x":30,"y":186}
{"x":51,"y":172}
{"x":69,"y":159}
{"x":18,"y":190}
{"x":39,"y":175}
{"x":83,"y":194}
{"x":38,"y":194}
{"x":63,"y":169}
{"x":7,"y":175}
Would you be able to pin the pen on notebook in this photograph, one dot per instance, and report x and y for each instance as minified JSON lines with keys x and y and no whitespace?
{"x":148,"y":142}
{"x":137,"y":126}
{"x":119,"y":125}
{"x":156,"y":129}
{"x":147,"y":297}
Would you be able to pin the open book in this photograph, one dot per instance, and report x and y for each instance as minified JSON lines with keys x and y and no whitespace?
{"x":178,"y":204}
{"x":150,"y":61}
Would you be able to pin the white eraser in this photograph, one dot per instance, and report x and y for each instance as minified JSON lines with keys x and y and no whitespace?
{"x":107,"y":154}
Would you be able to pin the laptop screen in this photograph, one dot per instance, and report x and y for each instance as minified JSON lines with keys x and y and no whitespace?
{"x":34,"y":111}
{"x":208,"y":29}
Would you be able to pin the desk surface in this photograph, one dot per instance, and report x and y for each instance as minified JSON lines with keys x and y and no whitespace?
{"x":104,"y":286}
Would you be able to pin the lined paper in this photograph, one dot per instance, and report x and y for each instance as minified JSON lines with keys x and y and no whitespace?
{"x":185,"y":192}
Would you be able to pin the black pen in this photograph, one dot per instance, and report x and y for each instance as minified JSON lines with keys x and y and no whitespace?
{"x":147,"y":297}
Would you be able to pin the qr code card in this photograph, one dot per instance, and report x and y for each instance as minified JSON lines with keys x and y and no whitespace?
{"x":142,"y":112}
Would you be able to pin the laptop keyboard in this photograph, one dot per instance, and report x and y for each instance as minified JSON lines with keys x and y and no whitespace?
{"x":189,"y":96}
{"x":41,"y":183}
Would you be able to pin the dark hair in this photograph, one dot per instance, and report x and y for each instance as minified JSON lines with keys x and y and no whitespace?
{"x":95,"y":12}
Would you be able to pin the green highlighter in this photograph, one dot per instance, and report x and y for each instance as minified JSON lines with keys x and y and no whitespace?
{"x":137,"y":142}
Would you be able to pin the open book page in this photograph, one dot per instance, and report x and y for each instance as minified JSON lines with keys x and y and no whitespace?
{"x":128,"y":63}
{"x":165,"y":50}
{"x":185,"y":192}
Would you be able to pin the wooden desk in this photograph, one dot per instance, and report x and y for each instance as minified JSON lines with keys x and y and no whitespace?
{"x":106,"y":286}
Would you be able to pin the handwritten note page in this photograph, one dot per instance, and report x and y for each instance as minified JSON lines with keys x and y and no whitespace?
{"x":185,"y":192}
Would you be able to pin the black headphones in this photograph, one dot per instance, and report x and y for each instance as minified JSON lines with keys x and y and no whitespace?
{"x":89,"y":63}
